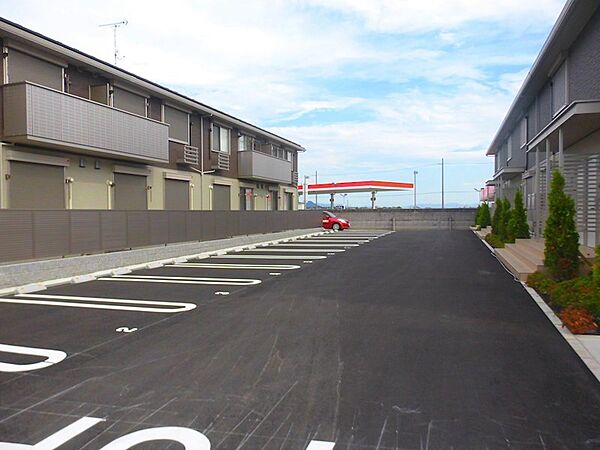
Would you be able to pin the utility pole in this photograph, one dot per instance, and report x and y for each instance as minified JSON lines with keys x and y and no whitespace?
{"x":115,"y":25}
{"x":316,"y":195}
{"x":305,"y":189}
{"x":415,"y":173}
{"x":442,"y":183}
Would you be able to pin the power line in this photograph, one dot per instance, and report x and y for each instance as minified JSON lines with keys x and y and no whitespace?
{"x":405,"y":168}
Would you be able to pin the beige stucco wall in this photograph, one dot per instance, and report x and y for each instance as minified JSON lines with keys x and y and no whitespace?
{"x":90,"y":191}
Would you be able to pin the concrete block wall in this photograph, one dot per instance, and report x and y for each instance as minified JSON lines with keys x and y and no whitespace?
{"x":411,"y":219}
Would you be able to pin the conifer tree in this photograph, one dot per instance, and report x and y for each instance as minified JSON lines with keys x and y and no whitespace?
{"x":517,"y":224}
{"x":561,"y":254}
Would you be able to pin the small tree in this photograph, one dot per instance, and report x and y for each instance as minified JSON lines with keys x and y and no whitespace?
{"x":478,"y":216}
{"x":506,"y":212}
{"x":497,"y":219}
{"x":517,"y":224}
{"x":561,"y":254}
{"x":485,"y":220}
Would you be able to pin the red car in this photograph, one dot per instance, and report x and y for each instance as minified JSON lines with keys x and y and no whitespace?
{"x":332,"y":222}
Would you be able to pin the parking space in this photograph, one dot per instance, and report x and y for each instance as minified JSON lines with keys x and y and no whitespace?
{"x":407,"y":340}
{"x":130,"y":302}
{"x":63,"y":329}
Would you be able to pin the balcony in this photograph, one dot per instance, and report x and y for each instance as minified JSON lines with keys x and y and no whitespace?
{"x":37,"y":115}
{"x":262,"y":167}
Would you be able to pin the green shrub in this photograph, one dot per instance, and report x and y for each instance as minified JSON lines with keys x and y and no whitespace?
{"x":542,"y":283}
{"x":561,"y":254}
{"x":494,"y":241}
{"x":596,"y":267}
{"x":478,"y":216}
{"x":485,"y":219}
{"x":517,"y":223}
{"x":581,"y":292}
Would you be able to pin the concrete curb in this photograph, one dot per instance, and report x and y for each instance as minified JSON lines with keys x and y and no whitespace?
{"x":39,"y":275}
{"x":584,"y":354}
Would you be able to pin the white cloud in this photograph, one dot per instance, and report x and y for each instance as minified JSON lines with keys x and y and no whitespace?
{"x":403,"y":16}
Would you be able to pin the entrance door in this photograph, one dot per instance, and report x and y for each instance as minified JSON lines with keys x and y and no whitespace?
{"x":221,"y":197}
{"x":36,"y":186}
{"x":177,"y":194}
{"x":289,"y":201}
{"x":130,"y":192}
{"x":274,"y":197}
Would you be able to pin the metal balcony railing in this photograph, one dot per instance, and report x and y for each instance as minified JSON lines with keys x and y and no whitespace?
{"x":38,"y":115}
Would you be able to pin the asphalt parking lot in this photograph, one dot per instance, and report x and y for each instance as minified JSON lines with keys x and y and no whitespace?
{"x":407,"y":340}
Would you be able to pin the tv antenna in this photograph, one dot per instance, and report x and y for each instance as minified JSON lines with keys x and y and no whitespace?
{"x":115,"y":26}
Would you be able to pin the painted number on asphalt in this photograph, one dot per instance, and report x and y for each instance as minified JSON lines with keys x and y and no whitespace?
{"x":126,"y":330}
{"x":190,"y":439}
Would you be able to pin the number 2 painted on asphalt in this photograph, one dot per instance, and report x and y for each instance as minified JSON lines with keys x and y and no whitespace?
{"x":190,"y":439}
{"x":126,"y":330}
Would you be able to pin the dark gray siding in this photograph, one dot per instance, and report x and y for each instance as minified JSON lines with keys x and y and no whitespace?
{"x":584,"y":63}
{"x":531,"y":122}
{"x":518,"y":155}
{"x":544,"y":106}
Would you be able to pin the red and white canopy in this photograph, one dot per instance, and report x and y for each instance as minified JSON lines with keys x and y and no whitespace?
{"x":355,"y":186}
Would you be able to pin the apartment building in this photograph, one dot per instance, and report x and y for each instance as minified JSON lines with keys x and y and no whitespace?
{"x":554,"y":123}
{"x":79,"y":133}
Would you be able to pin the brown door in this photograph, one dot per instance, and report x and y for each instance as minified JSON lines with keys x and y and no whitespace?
{"x":177,"y":194}
{"x":221,"y":197}
{"x":36,"y":186}
{"x":130,"y":192}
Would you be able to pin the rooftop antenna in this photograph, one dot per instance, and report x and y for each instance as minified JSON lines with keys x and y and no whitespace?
{"x":115,"y":25}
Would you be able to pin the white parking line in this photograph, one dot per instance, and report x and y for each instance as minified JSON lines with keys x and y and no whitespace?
{"x":293,"y":250}
{"x":354,"y":241}
{"x":245,"y":256}
{"x":183,"y":280}
{"x":99,"y":303}
{"x":52,"y":357}
{"x":317,"y":244}
{"x":238,"y":266}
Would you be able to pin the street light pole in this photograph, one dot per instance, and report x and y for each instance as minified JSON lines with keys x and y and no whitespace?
{"x":415,"y":173}
{"x":305,"y":189}
{"x":442,"y":183}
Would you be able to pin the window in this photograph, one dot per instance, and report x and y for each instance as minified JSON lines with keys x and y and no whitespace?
{"x":523,"y":131}
{"x":509,"y":148}
{"x":558,"y":87}
{"x":246,"y":143}
{"x":220,"y":139}
{"x":246,"y":199}
{"x":179,"y":126}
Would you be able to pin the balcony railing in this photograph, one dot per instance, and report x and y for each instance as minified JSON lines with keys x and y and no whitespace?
{"x":262,"y":167}
{"x":38,"y":115}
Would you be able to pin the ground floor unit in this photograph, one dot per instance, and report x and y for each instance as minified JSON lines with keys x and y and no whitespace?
{"x":579,"y":162}
{"x":36,"y":178}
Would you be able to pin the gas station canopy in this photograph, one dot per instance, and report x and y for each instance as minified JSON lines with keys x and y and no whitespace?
{"x":355,"y":186}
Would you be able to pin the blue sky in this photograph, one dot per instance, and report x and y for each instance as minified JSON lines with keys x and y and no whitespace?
{"x":373,"y":89}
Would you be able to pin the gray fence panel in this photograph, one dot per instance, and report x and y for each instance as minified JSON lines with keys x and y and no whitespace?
{"x":138,"y":228}
{"x":159,"y":227}
{"x":27,"y":234}
{"x":113,"y":225}
{"x":50,"y":233}
{"x":177,"y":226}
{"x":85,"y":232}
{"x":194,"y":225}
{"x":16,"y":235}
